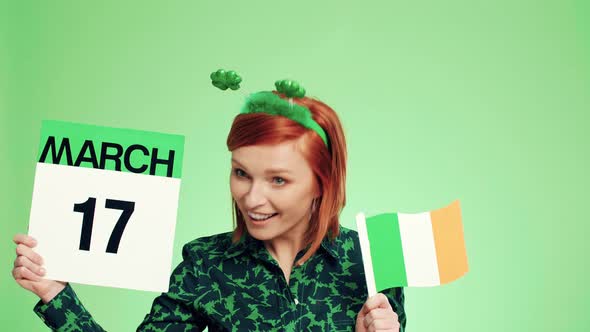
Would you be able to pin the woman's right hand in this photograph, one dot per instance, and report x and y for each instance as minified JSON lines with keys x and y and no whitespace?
{"x":28,"y":271}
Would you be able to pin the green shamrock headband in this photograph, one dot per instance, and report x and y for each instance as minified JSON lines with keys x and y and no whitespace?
{"x":270,"y":103}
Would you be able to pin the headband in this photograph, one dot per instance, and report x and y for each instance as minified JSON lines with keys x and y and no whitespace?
{"x":269,"y":102}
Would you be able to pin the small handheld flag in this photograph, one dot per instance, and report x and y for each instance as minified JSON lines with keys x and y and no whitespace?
{"x":415,"y":250}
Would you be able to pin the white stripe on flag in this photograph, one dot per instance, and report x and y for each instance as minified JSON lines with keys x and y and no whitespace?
{"x":418,"y":247}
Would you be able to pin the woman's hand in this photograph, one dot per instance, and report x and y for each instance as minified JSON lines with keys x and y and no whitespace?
{"x":28,"y":272}
{"x":377,"y":315}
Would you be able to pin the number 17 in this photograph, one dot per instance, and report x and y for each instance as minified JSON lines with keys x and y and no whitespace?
{"x":87,"y":209}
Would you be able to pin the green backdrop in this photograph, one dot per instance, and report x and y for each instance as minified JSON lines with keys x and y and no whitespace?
{"x":487,"y":102}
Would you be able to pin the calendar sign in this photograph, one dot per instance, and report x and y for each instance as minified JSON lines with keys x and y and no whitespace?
{"x":104,"y":204}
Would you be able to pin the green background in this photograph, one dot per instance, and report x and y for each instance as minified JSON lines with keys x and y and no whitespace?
{"x":486,"y":102}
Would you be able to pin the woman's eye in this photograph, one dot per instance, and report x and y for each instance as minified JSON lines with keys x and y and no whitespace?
{"x":239,"y":172}
{"x":279,"y":181}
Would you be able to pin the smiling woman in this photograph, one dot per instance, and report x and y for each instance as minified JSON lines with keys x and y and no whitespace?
{"x":266,"y":141}
{"x":288,"y":265}
{"x":271,"y":208}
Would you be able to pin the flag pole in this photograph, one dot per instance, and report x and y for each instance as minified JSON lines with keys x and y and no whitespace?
{"x":361,"y":226}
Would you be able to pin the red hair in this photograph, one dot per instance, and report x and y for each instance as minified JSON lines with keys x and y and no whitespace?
{"x":328,"y":164}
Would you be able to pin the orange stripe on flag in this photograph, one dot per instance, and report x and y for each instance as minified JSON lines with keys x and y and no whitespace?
{"x":449,"y":242}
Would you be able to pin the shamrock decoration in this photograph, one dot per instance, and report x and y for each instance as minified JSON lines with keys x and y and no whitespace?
{"x":226,"y":79}
{"x":290,"y":88}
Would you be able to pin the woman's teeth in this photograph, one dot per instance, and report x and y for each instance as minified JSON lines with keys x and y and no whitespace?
{"x":260,"y":217}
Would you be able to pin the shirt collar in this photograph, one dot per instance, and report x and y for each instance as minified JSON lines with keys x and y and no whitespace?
{"x":246,"y":243}
{"x":332,"y":247}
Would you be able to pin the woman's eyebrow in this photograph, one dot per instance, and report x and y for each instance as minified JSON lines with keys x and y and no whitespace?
{"x":277,"y":171}
{"x":237,"y":162}
{"x":268,"y":171}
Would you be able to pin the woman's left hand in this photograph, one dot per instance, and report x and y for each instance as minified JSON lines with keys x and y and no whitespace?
{"x":377,"y":315}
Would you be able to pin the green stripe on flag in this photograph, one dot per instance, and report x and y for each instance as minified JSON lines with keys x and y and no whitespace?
{"x":386,"y":251}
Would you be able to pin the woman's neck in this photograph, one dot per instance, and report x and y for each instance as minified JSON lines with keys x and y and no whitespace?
{"x":284,"y":249}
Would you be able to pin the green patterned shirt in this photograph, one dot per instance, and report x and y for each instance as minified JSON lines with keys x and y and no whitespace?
{"x":240,"y":287}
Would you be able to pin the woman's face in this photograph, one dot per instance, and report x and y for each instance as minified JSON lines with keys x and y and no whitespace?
{"x":273,"y":181}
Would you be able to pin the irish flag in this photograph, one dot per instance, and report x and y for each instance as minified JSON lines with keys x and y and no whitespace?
{"x":412,"y":249}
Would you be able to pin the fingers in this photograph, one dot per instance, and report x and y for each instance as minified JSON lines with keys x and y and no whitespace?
{"x":380,"y":318}
{"x":29,"y":241}
{"x":381,"y":325}
{"x":27,"y":264}
{"x":377,"y":315}
{"x":31,"y":266}
{"x":378,"y":300}
{"x":24,"y":250}
{"x":22,"y":272}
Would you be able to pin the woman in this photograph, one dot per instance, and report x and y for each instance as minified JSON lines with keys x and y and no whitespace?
{"x":287,"y":266}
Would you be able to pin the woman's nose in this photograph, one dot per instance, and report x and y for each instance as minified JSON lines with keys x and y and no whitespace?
{"x":255,"y":196}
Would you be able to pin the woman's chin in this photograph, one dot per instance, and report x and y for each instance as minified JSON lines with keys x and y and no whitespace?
{"x":259,"y":234}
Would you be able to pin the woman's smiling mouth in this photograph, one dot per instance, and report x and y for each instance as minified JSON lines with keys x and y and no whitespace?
{"x":260,"y":218}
